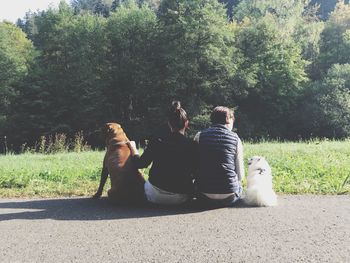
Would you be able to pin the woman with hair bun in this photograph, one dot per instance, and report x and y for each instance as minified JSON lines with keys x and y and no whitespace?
{"x":173,"y":158}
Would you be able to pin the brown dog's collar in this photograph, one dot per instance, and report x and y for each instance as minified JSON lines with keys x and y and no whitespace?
{"x":114,"y":143}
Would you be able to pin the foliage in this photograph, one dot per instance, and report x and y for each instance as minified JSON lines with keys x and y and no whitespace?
{"x":106,"y":7}
{"x":274,"y":78}
{"x":97,"y":61}
{"x":131,"y":32}
{"x":196,"y":53}
{"x":27,"y":24}
{"x":100,"y":7}
{"x":16,"y":54}
{"x":326,"y":6}
{"x":334,"y":100}
{"x":308,"y":35}
{"x":57,"y":143}
{"x":66,"y":79}
{"x":335,"y":40}
{"x":324,"y":108}
{"x":283,"y":10}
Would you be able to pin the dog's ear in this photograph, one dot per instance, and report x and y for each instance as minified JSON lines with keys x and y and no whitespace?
{"x":107,"y":128}
{"x":111,"y":127}
{"x":108,"y":131}
{"x":250,"y":160}
{"x":261,"y":158}
{"x":257,"y":158}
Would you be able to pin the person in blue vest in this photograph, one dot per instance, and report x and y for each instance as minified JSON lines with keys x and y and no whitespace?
{"x":173,"y":157}
{"x":221,"y":167}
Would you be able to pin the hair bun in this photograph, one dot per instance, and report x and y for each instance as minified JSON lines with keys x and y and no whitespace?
{"x":176,"y":105}
{"x":177,"y":116}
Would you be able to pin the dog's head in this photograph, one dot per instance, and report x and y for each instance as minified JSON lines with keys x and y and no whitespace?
{"x":257,"y":163}
{"x":114,"y":134}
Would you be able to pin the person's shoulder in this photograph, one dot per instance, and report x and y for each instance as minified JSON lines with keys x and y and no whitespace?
{"x":155,"y":139}
{"x":204,"y":131}
{"x":238,"y":139}
{"x":161,"y":132}
{"x":189,"y":145}
{"x":184,"y":140}
{"x":235,"y":133}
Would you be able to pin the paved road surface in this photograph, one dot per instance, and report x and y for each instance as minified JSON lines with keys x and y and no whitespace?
{"x":300,"y":229}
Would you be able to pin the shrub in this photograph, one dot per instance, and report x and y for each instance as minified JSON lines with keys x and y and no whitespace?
{"x":57,"y":143}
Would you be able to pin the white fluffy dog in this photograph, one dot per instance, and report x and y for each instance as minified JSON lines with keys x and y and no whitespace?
{"x":259,"y":183}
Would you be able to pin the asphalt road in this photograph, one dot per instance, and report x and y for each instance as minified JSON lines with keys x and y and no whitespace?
{"x":300,"y":229}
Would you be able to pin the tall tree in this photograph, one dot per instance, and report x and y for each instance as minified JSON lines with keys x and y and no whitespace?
{"x":334,"y":100}
{"x":230,"y":5}
{"x":285,"y":11}
{"x":65,"y":90}
{"x":27,"y":24}
{"x":101,"y":7}
{"x":335,"y":39}
{"x":197,"y":54}
{"x":132,"y":32}
{"x":325,"y":108}
{"x":308,"y":34}
{"x":326,"y":6}
{"x":275,"y":72}
{"x":16,"y":54}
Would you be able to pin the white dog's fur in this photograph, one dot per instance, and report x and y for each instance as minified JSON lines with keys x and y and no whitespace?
{"x":259,"y":183}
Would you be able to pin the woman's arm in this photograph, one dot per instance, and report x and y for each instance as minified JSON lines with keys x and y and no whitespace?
{"x":196,"y":137}
{"x":145,"y":159}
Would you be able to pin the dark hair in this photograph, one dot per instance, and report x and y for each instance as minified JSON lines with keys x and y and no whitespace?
{"x":221,"y":114}
{"x":177,"y":116}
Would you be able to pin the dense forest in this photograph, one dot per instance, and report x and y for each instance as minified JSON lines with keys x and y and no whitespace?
{"x":283,"y":65}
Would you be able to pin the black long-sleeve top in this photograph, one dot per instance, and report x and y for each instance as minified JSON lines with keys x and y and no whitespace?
{"x":174,"y":161}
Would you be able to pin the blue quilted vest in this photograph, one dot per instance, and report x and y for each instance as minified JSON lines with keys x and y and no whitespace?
{"x":217,"y":154}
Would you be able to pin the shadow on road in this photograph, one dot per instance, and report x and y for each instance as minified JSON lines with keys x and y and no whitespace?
{"x":87,"y":209}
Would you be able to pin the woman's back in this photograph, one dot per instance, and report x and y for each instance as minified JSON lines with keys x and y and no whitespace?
{"x":174,"y":161}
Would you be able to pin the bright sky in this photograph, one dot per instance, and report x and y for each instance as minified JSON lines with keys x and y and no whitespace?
{"x":11,"y":10}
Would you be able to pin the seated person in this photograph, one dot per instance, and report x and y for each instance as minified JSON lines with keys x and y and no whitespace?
{"x":221,"y":167}
{"x":173,"y":162}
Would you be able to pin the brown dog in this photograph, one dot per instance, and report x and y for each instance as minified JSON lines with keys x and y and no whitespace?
{"x":126,"y":181}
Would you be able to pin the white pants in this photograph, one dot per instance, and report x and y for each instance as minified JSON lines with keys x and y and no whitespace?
{"x":159,"y":196}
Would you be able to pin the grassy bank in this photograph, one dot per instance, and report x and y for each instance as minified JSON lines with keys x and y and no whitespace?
{"x":315,"y":167}
{"x":61,"y":174}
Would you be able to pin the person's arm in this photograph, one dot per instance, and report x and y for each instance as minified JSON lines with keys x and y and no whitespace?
{"x":145,"y":159}
{"x":195,"y":164}
{"x":239,"y":162}
{"x":196,"y":137}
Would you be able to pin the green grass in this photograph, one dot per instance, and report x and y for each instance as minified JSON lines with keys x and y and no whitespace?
{"x":62,"y":174}
{"x":315,"y":167}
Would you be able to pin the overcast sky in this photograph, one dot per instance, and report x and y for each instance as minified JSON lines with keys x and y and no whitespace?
{"x":11,"y":10}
